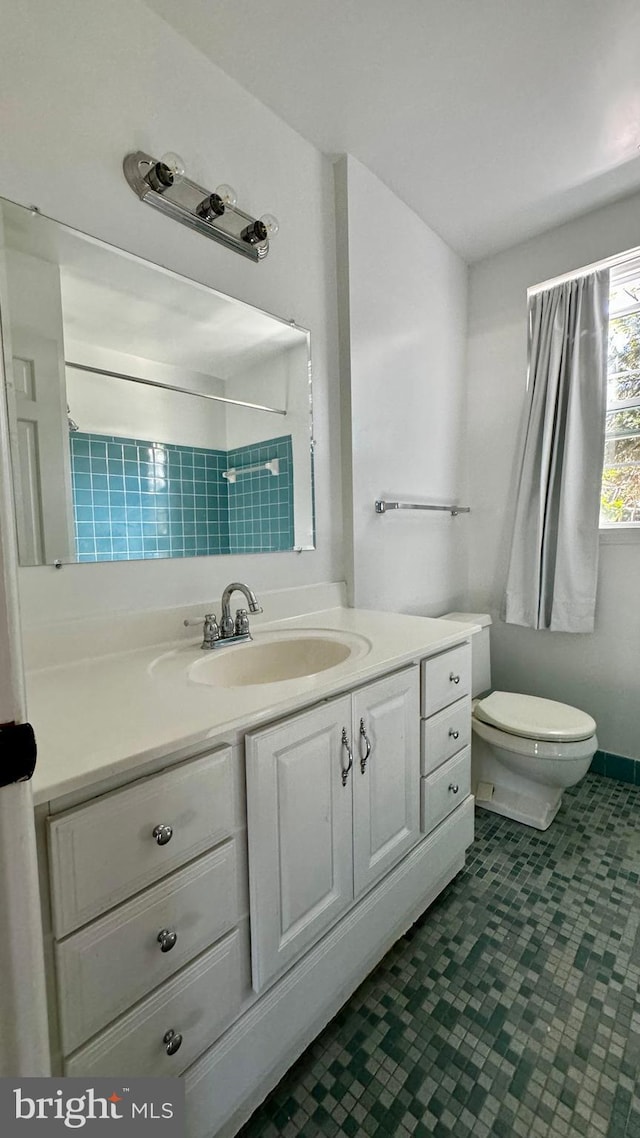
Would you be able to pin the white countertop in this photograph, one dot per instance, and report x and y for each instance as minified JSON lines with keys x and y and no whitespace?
{"x":97,"y":718}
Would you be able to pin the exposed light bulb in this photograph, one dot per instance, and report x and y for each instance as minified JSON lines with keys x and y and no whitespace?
{"x":271,"y":224}
{"x":175,"y":164}
{"x":228,"y":194}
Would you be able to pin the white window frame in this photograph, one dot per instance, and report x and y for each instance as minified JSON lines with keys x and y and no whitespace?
{"x":623,"y":533}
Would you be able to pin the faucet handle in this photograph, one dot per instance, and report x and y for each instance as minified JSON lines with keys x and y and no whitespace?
{"x":193,"y":623}
{"x":242,"y":622}
{"x":211,"y":630}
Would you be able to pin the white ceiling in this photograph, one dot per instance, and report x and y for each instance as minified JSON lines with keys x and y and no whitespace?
{"x":492,"y":119}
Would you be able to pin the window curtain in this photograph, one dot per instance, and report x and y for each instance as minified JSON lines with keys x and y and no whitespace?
{"x":553,"y":568}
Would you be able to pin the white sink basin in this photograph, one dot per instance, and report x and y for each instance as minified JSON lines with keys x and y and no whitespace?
{"x":270,"y":658}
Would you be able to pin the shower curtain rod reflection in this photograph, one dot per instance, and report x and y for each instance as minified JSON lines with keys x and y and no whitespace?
{"x":173,"y":387}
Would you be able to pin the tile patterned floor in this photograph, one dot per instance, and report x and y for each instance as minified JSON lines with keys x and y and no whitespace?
{"x":512,"y":1009}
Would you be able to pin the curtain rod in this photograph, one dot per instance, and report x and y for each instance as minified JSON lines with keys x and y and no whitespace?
{"x":172,"y":387}
{"x":617,"y":261}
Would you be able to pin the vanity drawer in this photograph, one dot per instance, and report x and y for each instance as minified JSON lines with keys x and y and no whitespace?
{"x":198,"y":1004}
{"x":108,"y":850}
{"x":105,"y":968}
{"x":438,"y":798}
{"x":444,"y":734}
{"x":445,"y":678}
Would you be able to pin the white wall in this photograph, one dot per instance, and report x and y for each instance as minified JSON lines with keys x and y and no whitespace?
{"x":83,"y":83}
{"x":403,"y":294}
{"x":280,"y":382}
{"x":597,"y":672}
{"x":103,"y":405}
{"x":277,"y":381}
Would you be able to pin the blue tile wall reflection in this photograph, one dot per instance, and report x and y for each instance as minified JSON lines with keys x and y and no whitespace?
{"x":134,"y":498}
{"x":261,"y":504}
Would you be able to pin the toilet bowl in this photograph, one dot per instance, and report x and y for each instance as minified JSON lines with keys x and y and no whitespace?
{"x":525,"y":750}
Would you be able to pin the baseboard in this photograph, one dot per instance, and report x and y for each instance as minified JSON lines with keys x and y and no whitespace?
{"x":616,"y":766}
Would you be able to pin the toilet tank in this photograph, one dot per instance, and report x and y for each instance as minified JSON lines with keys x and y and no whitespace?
{"x":480,"y":649}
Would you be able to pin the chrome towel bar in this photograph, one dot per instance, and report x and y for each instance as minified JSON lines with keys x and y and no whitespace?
{"x":382,"y":507}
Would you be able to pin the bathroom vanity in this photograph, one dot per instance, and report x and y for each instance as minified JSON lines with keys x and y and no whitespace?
{"x":224,"y":860}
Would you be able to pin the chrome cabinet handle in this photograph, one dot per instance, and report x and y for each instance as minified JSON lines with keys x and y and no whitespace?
{"x":172,"y":1041}
{"x":167,"y":939}
{"x":453,"y":787}
{"x":345,"y":744}
{"x":453,"y":734}
{"x":363,"y":758}
{"x":454,"y":679}
{"x":163,"y":834}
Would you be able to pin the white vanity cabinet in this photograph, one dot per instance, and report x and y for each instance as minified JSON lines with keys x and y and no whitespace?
{"x":445,"y":734}
{"x":105,"y":851}
{"x":208,"y":917}
{"x":332,"y":803}
{"x":144,"y":913}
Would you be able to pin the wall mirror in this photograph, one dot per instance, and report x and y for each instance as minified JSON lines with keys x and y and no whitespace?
{"x":149,"y":415}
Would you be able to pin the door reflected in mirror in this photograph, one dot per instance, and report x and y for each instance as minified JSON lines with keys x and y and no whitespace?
{"x":149,"y":415}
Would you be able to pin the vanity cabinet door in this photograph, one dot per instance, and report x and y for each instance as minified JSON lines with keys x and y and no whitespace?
{"x":386,"y":775}
{"x":299,"y":826}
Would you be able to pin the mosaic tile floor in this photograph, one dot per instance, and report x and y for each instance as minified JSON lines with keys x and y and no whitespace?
{"x":511,"y":1009}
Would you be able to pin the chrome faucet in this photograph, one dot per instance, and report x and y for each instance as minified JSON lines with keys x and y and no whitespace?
{"x":229,"y":631}
{"x":240,"y":626}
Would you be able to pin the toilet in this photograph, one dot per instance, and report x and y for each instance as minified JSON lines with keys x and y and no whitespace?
{"x":525,"y":750}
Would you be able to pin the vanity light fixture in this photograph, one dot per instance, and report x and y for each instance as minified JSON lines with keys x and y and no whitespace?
{"x":163,"y":184}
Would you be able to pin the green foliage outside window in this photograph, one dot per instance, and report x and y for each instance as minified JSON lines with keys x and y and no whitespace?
{"x":620,"y":501}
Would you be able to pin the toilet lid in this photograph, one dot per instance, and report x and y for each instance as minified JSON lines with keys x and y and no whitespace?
{"x":534,"y":718}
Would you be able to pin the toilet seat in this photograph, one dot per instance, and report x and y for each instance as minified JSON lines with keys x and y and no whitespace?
{"x":535,"y":750}
{"x":531,"y":717}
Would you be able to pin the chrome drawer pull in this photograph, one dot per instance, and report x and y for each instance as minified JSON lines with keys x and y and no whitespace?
{"x":453,"y":734}
{"x":172,"y":1042}
{"x":454,"y":679}
{"x":453,"y":787}
{"x":167,"y":939}
{"x":163,"y":834}
{"x":363,"y":758}
{"x":345,"y":744}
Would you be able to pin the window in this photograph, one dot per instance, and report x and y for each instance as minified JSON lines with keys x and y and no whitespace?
{"x":620,"y":499}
